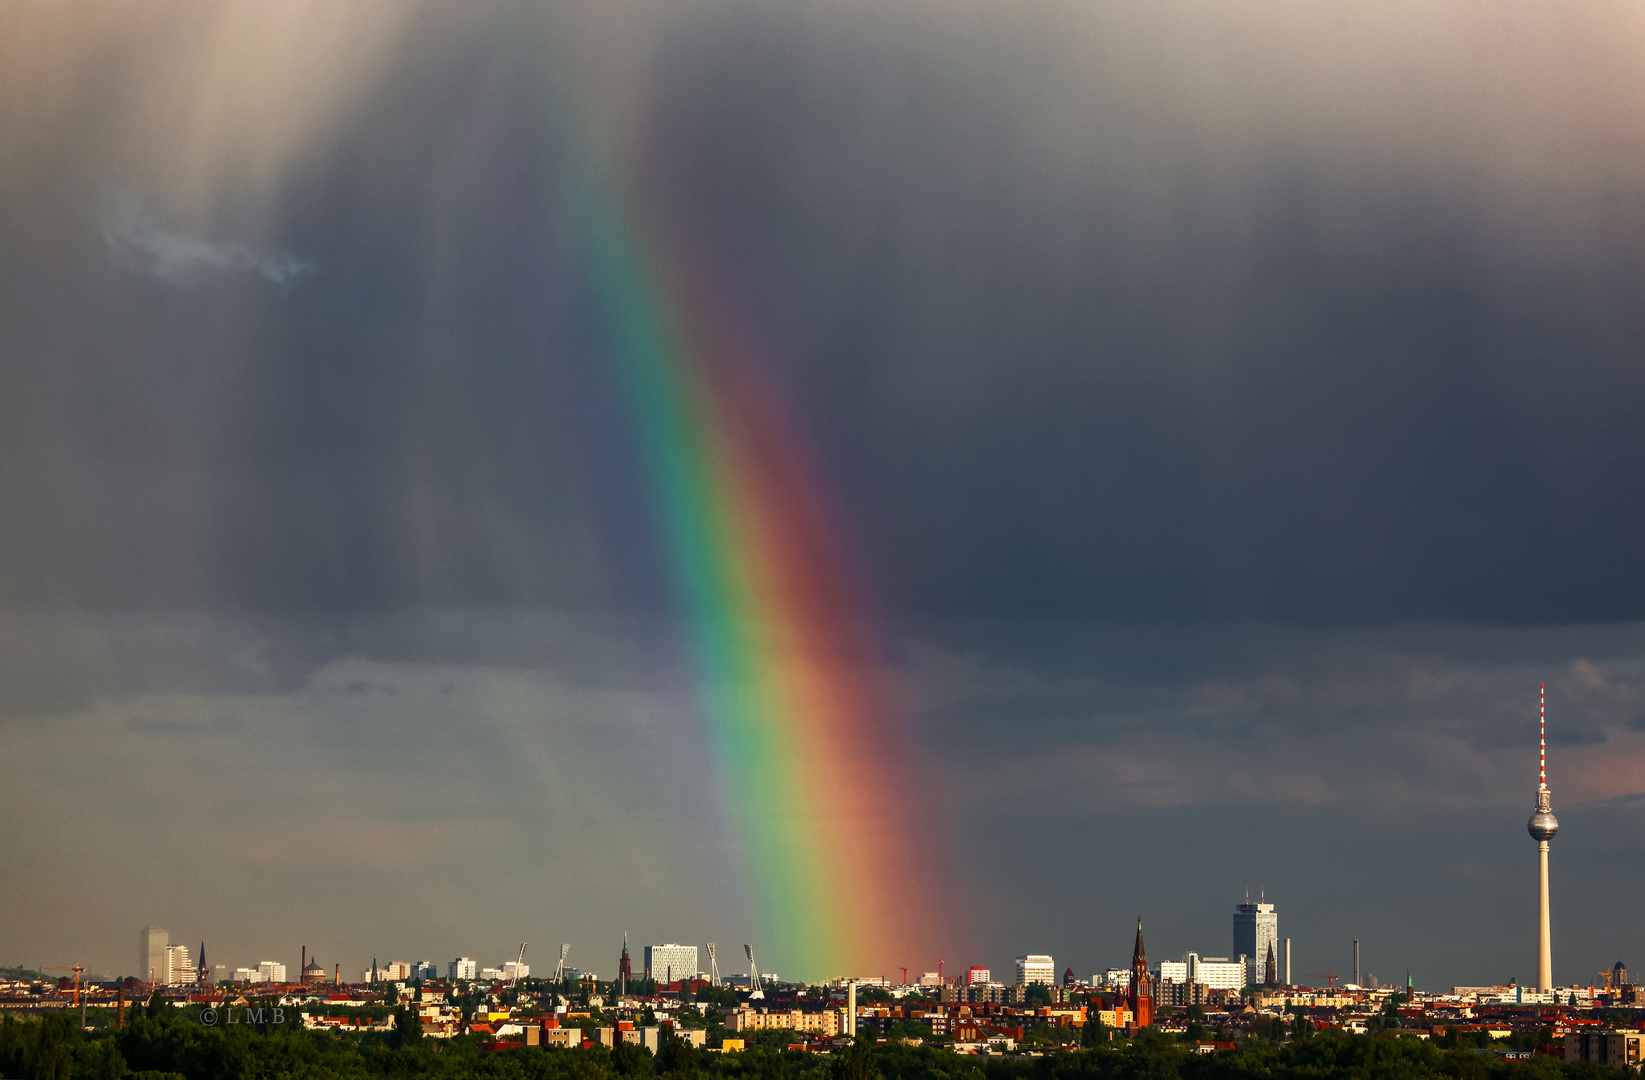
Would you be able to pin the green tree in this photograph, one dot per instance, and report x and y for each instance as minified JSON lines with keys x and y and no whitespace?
{"x":631,"y":1059}
{"x":408,"y":1027}
{"x":856,"y":1062}
{"x":908,"y":1029}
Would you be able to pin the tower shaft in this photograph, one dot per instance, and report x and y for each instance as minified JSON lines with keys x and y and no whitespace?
{"x":1544,"y":947}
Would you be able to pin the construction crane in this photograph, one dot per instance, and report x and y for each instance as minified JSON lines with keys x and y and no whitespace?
{"x":1329,"y":976}
{"x":713,"y":966}
{"x":905,"y":976}
{"x":753,"y":975}
{"x":517,"y":962}
{"x":78,"y":999}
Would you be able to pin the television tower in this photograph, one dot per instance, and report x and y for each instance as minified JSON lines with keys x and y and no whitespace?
{"x":1542,"y":826}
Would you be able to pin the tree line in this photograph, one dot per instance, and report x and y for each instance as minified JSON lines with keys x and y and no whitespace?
{"x":163,"y":1042}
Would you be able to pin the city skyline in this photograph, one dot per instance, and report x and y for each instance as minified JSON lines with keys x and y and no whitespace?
{"x":1253,"y":923}
{"x":888,"y":483}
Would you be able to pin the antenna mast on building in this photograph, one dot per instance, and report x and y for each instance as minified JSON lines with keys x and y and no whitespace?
{"x":713,"y":966}
{"x":753,"y":975}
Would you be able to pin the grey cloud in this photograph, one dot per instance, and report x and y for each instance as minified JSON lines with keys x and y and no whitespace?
{"x":166,"y":726}
{"x":136,"y":237}
{"x":1150,"y":338}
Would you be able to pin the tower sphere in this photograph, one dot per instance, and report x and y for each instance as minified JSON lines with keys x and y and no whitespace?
{"x":1543,"y":825}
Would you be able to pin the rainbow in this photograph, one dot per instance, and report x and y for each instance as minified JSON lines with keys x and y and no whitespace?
{"x":806,"y":734}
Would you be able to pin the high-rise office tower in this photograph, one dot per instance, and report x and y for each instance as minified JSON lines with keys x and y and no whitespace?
{"x":151,"y":954}
{"x":1542,"y":827}
{"x":1256,"y":927}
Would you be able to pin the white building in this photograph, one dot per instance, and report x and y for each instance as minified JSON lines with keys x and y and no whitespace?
{"x":671,"y":963}
{"x":464,"y":968}
{"x":1216,"y":972}
{"x":270,"y":972}
{"x":393,"y":971}
{"x":1256,"y":930}
{"x":244,"y":975}
{"x":1174,"y":970}
{"x":1036,"y":968}
{"x":179,"y":972}
{"x":1113,"y":978}
{"x":424,"y":969}
{"x":514,"y":970}
{"x":930,"y":978}
{"x":977,"y":976}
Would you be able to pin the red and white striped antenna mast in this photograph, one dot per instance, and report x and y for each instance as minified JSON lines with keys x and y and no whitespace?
{"x":1542,"y":737}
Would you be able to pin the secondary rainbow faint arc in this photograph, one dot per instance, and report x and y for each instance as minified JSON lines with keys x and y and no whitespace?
{"x":804,"y":730}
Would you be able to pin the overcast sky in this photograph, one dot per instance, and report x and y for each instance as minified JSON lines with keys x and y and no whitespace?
{"x":1238,"y":412}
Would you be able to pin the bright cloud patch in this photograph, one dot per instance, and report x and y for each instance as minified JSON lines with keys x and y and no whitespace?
{"x":137,"y":238}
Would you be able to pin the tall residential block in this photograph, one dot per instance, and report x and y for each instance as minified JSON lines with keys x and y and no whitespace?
{"x":179,"y":970}
{"x":1036,"y":968}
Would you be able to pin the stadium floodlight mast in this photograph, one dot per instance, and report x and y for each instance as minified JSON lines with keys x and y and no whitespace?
{"x":713,"y":967}
{"x":753,"y":975}
{"x":559,"y":969}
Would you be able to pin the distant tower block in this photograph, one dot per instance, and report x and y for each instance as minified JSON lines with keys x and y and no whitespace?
{"x":1356,"y":962}
{"x":1542,"y":827}
{"x":1256,"y":930}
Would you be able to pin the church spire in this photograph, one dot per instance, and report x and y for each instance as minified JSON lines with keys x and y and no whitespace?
{"x":1142,"y":987}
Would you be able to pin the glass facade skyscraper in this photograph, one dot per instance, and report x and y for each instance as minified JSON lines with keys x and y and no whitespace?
{"x":1256,"y":928}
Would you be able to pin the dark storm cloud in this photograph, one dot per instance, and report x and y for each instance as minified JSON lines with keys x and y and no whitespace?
{"x":1071,"y":362}
{"x":1083,"y":336}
